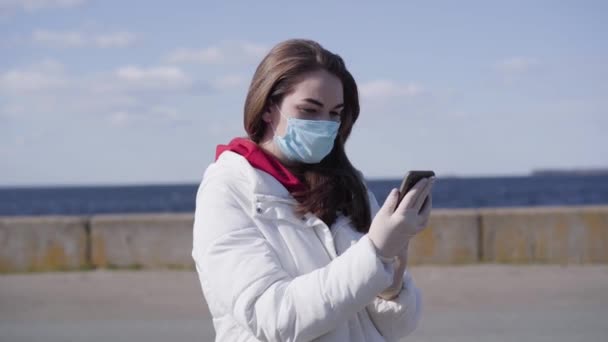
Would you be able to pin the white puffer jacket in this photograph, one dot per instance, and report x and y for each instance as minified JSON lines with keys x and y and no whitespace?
{"x":269,"y":275}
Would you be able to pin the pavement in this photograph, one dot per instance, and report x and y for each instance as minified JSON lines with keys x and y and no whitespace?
{"x":461,"y":303}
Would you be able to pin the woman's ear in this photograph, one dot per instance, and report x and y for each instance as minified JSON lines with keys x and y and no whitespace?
{"x":267,"y":116}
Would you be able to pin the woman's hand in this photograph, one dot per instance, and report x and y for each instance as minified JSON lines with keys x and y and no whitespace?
{"x":393,"y":227}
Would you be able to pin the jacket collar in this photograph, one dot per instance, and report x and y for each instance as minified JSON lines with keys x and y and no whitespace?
{"x":262,"y":160}
{"x":269,"y":198}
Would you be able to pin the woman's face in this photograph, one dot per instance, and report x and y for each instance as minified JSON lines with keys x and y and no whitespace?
{"x":318,"y":96}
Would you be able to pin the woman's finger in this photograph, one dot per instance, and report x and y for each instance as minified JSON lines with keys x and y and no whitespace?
{"x":425,"y":213}
{"x":428,"y":204}
{"x":409,"y":199}
{"x":421,"y":197}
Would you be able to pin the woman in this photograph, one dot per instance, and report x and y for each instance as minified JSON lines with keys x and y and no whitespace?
{"x":284,"y":242}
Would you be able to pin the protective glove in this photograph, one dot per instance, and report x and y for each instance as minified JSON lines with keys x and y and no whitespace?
{"x":393,"y":227}
{"x":400,"y":266}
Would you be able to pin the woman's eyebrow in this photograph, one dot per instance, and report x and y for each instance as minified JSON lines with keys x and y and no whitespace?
{"x":320,"y":104}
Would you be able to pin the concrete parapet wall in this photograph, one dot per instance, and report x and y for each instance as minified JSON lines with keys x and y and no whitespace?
{"x":42,"y":243}
{"x":142,"y":240}
{"x":503,"y":235}
{"x":451,"y":237}
{"x":545,"y":235}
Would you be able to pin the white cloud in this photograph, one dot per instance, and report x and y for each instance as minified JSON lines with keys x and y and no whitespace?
{"x":170,"y":77}
{"x":229,"y":82}
{"x":65,"y":38}
{"x":117,"y":39}
{"x":81,"y":39}
{"x":162,"y":114}
{"x":121,"y":118}
{"x":42,"y":76}
{"x":127,"y":96}
{"x":33,"y":5}
{"x":166,"y":113}
{"x":516,"y":64}
{"x":254,"y":50}
{"x":19,"y":80}
{"x":132,"y":94}
{"x":383,"y":89}
{"x":225,"y":53}
{"x":211,"y":55}
{"x":121,"y":86}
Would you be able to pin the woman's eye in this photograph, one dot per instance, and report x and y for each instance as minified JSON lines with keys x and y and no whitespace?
{"x":309,"y":110}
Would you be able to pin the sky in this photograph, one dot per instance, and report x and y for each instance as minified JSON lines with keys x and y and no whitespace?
{"x":141,"y":92}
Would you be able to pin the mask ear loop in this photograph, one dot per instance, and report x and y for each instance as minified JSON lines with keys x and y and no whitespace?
{"x":274,"y":132}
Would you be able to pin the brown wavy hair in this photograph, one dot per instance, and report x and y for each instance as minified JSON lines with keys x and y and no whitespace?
{"x":333,"y":184}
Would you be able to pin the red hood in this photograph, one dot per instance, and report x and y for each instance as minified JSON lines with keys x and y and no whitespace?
{"x":259,"y":159}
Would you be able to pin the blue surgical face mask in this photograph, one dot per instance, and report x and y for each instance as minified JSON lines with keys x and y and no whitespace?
{"x":307,"y":141}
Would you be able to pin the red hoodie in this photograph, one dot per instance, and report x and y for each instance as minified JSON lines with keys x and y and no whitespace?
{"x":259,"y":159}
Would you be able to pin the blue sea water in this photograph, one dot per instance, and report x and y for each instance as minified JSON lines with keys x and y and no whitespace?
{"x":450,"y":192}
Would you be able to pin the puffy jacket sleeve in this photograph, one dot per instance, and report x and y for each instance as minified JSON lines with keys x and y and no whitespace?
{"x":241,"y":273}
{"x":398,"y":317}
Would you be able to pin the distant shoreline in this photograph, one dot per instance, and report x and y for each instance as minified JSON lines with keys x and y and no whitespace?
{"x":571,"y":172}
{"x":533,"y":173}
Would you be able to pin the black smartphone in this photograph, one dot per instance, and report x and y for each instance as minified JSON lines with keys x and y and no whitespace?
{"x":410,"y":179}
